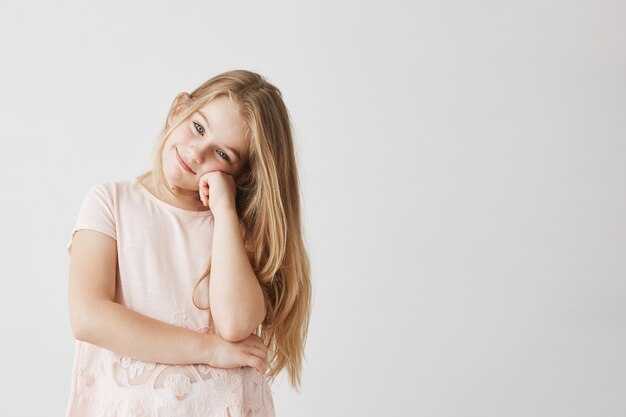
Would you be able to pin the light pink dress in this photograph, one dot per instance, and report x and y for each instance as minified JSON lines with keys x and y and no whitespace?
{"x":162,"y":252}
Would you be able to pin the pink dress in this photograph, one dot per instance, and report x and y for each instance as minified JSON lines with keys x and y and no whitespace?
{"x":162,"y":252}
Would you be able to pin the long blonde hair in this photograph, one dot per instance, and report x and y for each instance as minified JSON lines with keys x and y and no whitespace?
{"x":268,"y":206}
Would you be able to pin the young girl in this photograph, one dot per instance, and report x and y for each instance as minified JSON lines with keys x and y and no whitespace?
{"x":189,"y":286}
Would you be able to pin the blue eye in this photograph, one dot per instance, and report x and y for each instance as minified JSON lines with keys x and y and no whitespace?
{"x":200,"y":130}
{"x":225,"y":155}
{"x":199,"y":126}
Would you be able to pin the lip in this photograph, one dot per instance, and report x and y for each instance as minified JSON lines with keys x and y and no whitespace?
{"x":182,"y":163}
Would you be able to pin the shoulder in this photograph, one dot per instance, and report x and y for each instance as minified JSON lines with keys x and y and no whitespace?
{"x":106,"y":196}
{"x":112,"y":190}
{"x":107,"y":188}
{"x":99,"y":194}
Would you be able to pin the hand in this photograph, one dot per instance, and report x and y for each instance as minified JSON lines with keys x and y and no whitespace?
{"x":217,"y":190}
{"x":248,"y":352}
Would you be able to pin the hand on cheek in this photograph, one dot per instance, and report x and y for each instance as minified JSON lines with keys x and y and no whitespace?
{"x":217,"y":190}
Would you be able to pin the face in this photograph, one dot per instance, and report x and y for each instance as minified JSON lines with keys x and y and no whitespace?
{"x":211,"y":139}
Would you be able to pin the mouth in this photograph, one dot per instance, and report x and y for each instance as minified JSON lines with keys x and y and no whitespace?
{"x":182,"y":163}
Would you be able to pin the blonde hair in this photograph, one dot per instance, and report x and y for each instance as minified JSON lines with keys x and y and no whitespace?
{"x":268,"y":206}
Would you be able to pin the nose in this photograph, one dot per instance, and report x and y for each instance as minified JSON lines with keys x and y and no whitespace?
{"x":197,"y":154}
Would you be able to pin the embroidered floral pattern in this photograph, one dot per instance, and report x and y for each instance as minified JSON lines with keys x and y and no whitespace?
{"x":113,"y":385}
{"x":205,"y":369}
{"x":181,"y":320}
{"x":125,"y":361}
{"x":137,"y":411}
{"x":178,"y":384}
{"x":85,"y":380}
{"x":132,"y":368}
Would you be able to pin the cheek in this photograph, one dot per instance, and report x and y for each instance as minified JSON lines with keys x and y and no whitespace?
{"x":168,"y":161}
{"x":206,"y":170}
{"x":212,"y":163}
{"x":174,"y":139}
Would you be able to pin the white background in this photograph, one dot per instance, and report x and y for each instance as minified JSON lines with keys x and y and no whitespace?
{"x":463,"y":177}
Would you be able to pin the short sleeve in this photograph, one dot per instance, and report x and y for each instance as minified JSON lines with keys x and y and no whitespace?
{"x":96,"y":213}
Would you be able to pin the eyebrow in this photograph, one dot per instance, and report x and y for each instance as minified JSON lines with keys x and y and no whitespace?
{"x":233,"y":150}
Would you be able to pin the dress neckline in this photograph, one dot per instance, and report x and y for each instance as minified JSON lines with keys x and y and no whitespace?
{"x":168,"y":206}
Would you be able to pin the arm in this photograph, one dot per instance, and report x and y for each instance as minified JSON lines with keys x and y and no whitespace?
{"x":236,"y":298}
{"x":97,"y":319}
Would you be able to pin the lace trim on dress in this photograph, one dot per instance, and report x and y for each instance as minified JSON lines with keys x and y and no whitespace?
{"x":122,"y":386}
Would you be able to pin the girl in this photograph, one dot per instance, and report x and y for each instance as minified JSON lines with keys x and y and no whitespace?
{"x":189,"y":286}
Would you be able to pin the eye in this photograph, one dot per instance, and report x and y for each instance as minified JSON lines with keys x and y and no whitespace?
{"x":223,"y":153}
{"x":201,"y":130}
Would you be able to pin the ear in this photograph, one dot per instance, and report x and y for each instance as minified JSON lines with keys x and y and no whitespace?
{"x":177,"y":106}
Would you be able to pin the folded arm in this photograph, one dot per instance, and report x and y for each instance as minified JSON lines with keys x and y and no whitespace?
{"x":235,"y":295}
{"x":97,"y":319}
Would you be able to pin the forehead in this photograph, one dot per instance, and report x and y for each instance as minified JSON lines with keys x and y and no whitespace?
{"x":224,"y":122}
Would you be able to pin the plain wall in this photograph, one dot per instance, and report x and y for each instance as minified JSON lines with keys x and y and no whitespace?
{"x":463,"y":169}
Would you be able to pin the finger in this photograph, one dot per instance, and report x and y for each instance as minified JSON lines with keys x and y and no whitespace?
{"x":260,"y":358}
{"x":258,"y":352}
{"x":257,"y":342}
{"x":263,"y":347}
{"x":256,"y":362}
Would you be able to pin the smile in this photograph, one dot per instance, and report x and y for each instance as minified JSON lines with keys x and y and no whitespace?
{"x":182,"y":163}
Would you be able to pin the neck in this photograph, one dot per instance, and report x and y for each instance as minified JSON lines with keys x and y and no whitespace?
{"x":184,"y":199}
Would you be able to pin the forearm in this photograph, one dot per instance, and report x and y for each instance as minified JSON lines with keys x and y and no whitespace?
{"x":124,"y":331}
{"x":236,"y":299}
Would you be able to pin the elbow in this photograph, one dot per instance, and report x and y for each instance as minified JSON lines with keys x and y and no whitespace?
{"x":78,"y":329}
{"x":236,"y":333}
{"x":240,"y":328}
{"x":232,"y":334}
{"x":80,"y":323}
